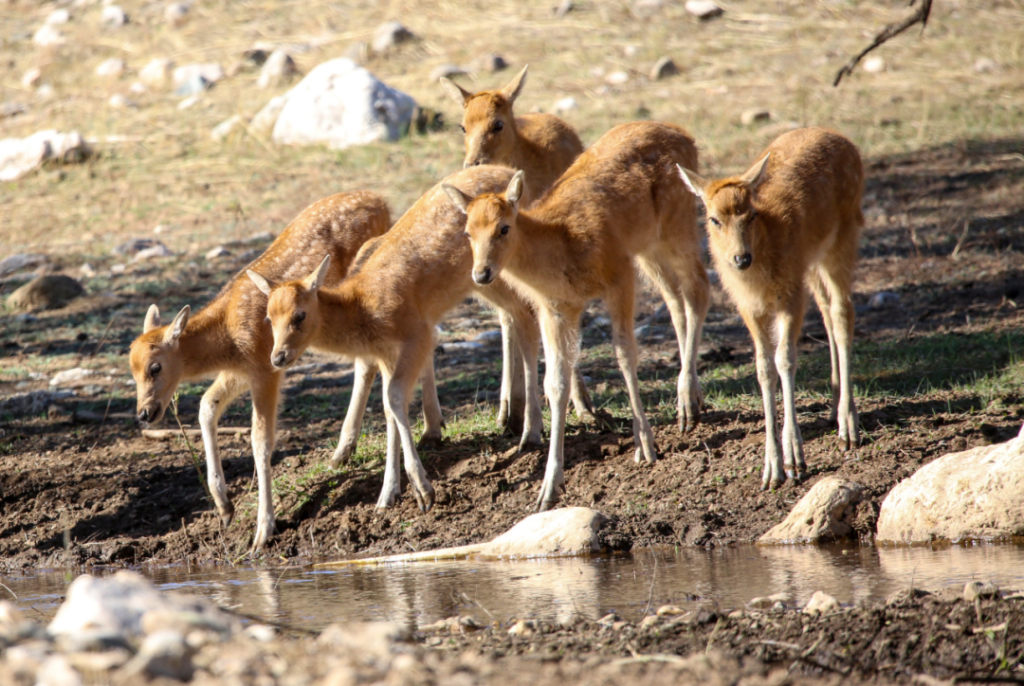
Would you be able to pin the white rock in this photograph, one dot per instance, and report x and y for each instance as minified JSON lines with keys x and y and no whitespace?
{"x":389,"y":34}
{"x":769,"y":602}
{"x":260,"y":633}
{"x":44,"y":92}
{"x":703,"y":9}
{"x":821,"y":603}
{"x":118,"y":101}
{"x":342,"y":104}
{"x":116,"y":269}
{"x":975,"y":494}
{"x":492,"y":337}
{"x":224,"y":129}
{"x":278,"y":67}
{"x":755,"y":115}
{"x":176,"y":13}
{"x":57,"y":17}
{"x":113,"y":16}
{"x":217,"y":253}
{"x":189,"y":101}
{"x":159,"y":250}
{"x":110,"y":67}
{"x":19,"y":156}
{"x":138,"y":88}
{"x":15,"y":263}
{"x":984,"y":65}
{"x":566,"y":104}
{"x":70,"y":376}
{"x":48,"y":36}
{"x":883,"y":299}
{"x":10,"y":615}
{"x":663,"y":69}
{"x":32,"y":78}
{"x":873,"y":65}
{"x":57,"y":671}
{"x":977,"y":589}
{"x":133,"y":246}
{"x":156,"y":72}
{"x":265,"y":119}
{"x":87,"y":270}
{"x":824,"y":513}
{"x":211,"y":71}
{"x":630,"y":51}
{"x":617,"y":78}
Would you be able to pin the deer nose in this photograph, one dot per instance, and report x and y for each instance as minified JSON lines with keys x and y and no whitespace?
{"x":280,"y":358}
{"x":483,"y":276}
{"x":743,"y":261}
{"x":145,"y":415}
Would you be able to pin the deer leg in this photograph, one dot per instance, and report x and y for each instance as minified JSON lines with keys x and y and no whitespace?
{"x":397,"y":385}
{"x":363,"y":375}
{"x":842,"y":322}
{"x":824,"y":301}
{"x":433,"y":420}
{"x":774,"y":470}
{"x":224,"y":389}
{"x":513,"y":401}
{"x":556,"y":384}
{"x":527,"y":336}
{"x":620,"y":308}
{"x":787,"y":330}
{"x":391,"y":490}
{"x":264,"y":427}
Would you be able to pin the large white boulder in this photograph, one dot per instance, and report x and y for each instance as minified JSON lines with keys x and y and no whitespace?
{"x":825,"y":513}
{"x":976,"y":494}
{"x":19,"y":156}
{"x":342,"y":104}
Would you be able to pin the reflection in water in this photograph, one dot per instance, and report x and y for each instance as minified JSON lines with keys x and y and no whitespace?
{"x":421,"y":593}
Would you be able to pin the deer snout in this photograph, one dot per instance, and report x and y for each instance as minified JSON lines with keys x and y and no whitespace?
{"x":483,"y":276}
{"x":147,"y":414}
{"x":743,"y":260}
{"x":279,"y":359}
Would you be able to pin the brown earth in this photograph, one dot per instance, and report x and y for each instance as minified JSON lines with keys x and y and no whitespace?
{"x":98,"y":493}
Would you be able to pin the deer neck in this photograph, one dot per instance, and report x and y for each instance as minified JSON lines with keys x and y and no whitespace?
{"x":539,"y":255}
{"x":205,"y":344}
{"x":345,"y":319}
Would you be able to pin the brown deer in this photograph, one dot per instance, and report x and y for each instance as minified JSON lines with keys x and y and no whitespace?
{"x":542,"y":145}
{"x":621,"y":204}
{"x":386,"y":311}
{"x":228,"y":338}
{"x":792,"y":219}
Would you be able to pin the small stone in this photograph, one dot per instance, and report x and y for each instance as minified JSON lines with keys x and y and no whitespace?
{"x":217,"y":253}
{"x":70,"y":376}
{"x":113,"y":17}
{"x":57,"y":671}
{"x":45,"y":92}
{"x":118,"y":101}
{"x":278,"y":68}
{"x":176,"y":13}
{"x":976,"y":589}
{"x":261,"y":633}
{"x":492,"y":337}
{"x":649,"y":621}
{"x":608,"y":619}
{"x":224,"y":129}
{"x":164,"y":653}
{"x":210,"y":71}
{"x":821,"y":603}
{"x":134,"y":245}
{"x":616,"y":78}
{"x":265,"y":119}
{"x":46,"y":292}
{"x":755,"y":115}
{"x":189,"y":101}
{"x":493,"y":62}
{"x":116,"y":269}
{"x":663,"y":69}
{"x":630,"y":51}
{"x":521,"y":629}
{"x":110,"y":68}
{"x":11,"y":109}
{"x":156,"y":72}
{"x":883,"y":300}
{"x":32,"y":78}
{"x":15,"y":263}
{"x":390,"y":34}
{"x":87,"y":271}
{"x":669,"y":610}
{"x":703,"y":9}
{"x":447,"y":71}
{"x":767,"y":602}
{"x":47,"y":36}
{"x":566,"y":104}
{"x":985,"y":65}
{"x":874,"y":65}
{"x":158,"y":250}
{"x":56,"y":17}
{"x":10,"y":616}
{"x":194,"y":86}
{"x":138,"y":88}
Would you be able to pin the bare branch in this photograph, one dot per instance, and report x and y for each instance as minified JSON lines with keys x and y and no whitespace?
{"x":890,"y":31}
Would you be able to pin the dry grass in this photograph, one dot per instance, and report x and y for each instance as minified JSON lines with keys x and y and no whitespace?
{"x":779,"y":55}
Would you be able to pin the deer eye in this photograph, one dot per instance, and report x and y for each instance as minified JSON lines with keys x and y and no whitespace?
{"x":498,"y":126}
{"x":462,"y":128}
{"x":714,"y":222}
{"x":297,"y":319}
{"x":504,"y":229}
{"x":154,"y":369}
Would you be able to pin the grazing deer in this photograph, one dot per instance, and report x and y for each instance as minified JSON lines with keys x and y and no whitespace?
{"x":542,"y":145}
{"x":621,"y":204}
{"x":386,"y":311}
{"x":228,"y":338}
{"x":793,"y":218}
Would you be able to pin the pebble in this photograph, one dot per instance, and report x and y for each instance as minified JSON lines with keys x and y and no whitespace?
{"x":47,"y":36}
{"x":158,"y":250}
{"x":118,"y":101}
{"x":61,"y":16}
{"x":703,"y":9}
{"x":492,"y":337}
{"x":873,"y":65}
{"x":447,"y":71}
{"x":44,"y":92}
{"x":156,"y":72}
{"x":821,"y":603}
{"x":663,"y":69}
{"x":217,"y":253}
{"x":32,"y":78}
{"x":57,"y":671}
{"x":164,"y":653}
{"x":138,"y":88}
{"x":755,"y":115}
{"x":189,"y":101}
{"x":985,"y":65}
{"x":113,"y":16}
{"x":87,"y":271}
{"x":493,"y":62}
{"x":648,"y":621}
{"x":11,"y":109}
{"x":46,"y":292}
{"x":111,"y":67}
{"x":194,"y":86}
{"x":260,"y":633}
{"x":10,"y":616}
{"x":279,"y":67}
{"x":609,"y":619}
{"x":390,"y":34}
{"x":223,"y":130}
{"x":19,"y":261}
{"x":668,"y":610}
{"x":976,"y":589}
{"x":617,"y":78}
{"x":564,"y":105}
{"x":116,"y":269}
{"x":176,"y":13}
{"x":883,"y":299}
{"x":210,"y":71}
{"x":768,"y":602}
{"x":69,"y":376}
{"x":520,"y":628}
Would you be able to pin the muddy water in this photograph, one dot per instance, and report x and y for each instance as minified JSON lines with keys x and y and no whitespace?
{"x":418,"y":594}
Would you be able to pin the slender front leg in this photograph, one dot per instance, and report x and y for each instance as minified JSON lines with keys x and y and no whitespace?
{"x":392,"y":488}
{"x":362,"y":382}
{"x":787,"y":327}
{"x":397,"y":385}
{"x":512,"y":403}
{"x":620,"y":308}
{"x":580,"y":395}
{"x":264,"y":428}
{"x":527,"y":335}
{"x":774,"y":474}
{"x":432,"y":419}
{"x":557,"y":339}
{"x":225,"y":388}
{"x":842,"y":320}
{"x":824,"y":301}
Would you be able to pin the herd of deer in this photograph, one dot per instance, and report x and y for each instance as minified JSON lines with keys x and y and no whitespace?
{"x":570,"y":226}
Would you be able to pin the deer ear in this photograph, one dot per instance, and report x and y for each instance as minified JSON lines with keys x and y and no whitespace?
{"x":695,"y":182}
{"x":152,"y":320}
{"x":315,"y":280}
{"x":177,"y":327}
{"x":515,"y":86}
{"x":514,"y":192}
{"x":460,"y":199}
{"x":455,"y":91}
{"x":261,"y":283}
{"x":756,"y":175}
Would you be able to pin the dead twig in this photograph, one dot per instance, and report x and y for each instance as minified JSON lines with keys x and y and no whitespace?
{"x":650,"y":594}
{"x":890,"y":31}
{"x":9,"y":590}
{"x":960,"y":242}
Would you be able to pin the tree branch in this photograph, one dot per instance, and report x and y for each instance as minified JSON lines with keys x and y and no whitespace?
{"x":890,"y":31}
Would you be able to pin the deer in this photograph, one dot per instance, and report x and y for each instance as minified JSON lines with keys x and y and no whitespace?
{"x":791,"y":221}
{"x":229,"y":339}
{"x":386,"y":311}
{"x":542,"y":145}
{"x":621,"y":205}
